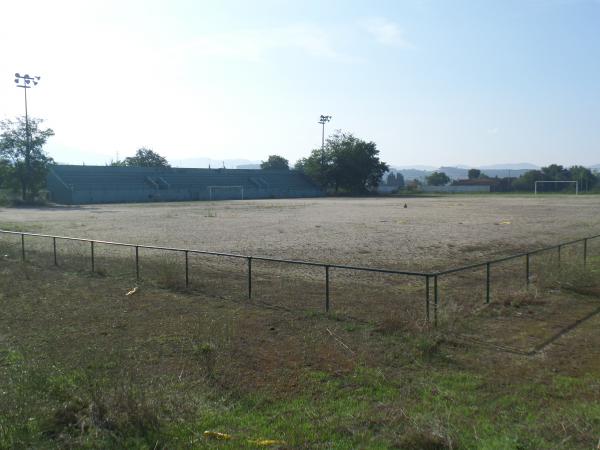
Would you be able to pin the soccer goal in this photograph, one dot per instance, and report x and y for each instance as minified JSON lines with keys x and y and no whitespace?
{"x":554,"y":182}
{"x":226,"y":192}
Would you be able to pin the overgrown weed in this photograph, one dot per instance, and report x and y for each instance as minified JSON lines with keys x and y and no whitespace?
{"x":168,"y":274}
{"x":571,"y":277}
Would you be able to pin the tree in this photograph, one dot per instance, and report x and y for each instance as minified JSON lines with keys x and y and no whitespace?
{"x":316,"y":167}
{"x":399,"y":180}
{"x":395,"y":179}
{"x":117,"y":163}
{"x":275,"y":162}
{"x":25,"y":163}
{"x":555,"y":172}
{"x":144,"y":157}
{"x":5,"y":172}
{"x":474,"y":173}
{"x":527,"y":181}
{"x":584,"y":176}
{"x":438,"y":179}
{"x":346,"y":163}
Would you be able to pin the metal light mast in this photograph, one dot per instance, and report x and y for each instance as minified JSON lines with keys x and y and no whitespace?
{"x":323,"y":120}
{"x":26,"y":82}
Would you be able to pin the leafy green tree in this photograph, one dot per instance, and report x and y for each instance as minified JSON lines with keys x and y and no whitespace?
{"x":474,"y":173}
{"x":356,"y":165}
{"x":317,"y":166}
{"x":117,"y":163}
{"x":25,"y":163}
{"x":399,"y":180}
{"x":584,"y":176}
{"x":438,"y":179}
{"x":144,"y":157}
{"x":526,"y":181}
{"x":347,"y":163}
{"x":5,"y":171}
{"x":555,"y":172}
{"x":275,"y":162}
{"x":395,"y":179}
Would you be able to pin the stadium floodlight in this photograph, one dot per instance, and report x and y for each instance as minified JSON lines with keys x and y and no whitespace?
{"x":323,"y":120}
{"x":24,"y":81}
{"x":576,"y":185}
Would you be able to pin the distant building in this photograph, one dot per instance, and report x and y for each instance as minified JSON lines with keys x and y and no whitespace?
{"x":495,"y":184}
{"x":476,"y":182}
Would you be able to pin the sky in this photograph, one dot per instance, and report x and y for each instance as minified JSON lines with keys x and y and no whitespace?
{"x":435,"y":83}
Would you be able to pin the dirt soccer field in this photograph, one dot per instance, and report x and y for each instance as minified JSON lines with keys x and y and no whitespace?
{"x":434,"y":232}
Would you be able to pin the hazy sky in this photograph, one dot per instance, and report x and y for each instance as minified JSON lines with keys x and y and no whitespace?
{"x":431,"y":82}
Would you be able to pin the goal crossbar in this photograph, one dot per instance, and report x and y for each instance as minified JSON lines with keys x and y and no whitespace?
{"x":212,"y":188}
{"x":548,"y":181}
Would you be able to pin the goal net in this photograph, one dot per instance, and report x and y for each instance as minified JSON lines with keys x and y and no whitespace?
{"x":226,"y":192}
{"x":541,"y":186}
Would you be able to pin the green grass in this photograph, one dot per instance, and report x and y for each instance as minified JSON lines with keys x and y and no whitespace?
{"x":84,"y":366}
{"x":452,"y":409}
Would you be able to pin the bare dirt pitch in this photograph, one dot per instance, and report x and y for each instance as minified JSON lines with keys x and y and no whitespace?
{"x":431,"y":232}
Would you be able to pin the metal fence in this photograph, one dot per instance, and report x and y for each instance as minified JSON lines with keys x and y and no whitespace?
{"x":431,"y":280}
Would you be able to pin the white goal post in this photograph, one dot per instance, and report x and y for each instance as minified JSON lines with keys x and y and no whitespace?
{"x":576,"y":185}
{"x":212,"y":189}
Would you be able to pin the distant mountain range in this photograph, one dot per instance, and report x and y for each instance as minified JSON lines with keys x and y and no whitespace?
{"x":461,"y":171}
{"x":215,"y":163}
{"x":415,"y":167}
{"x":419,"y":172}
{"x":248,"y":166}
{"x":517,"y":166}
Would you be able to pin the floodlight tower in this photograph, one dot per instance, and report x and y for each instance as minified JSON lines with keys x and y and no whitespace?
{"x":323,"y":120}
{"x":26,"y":82}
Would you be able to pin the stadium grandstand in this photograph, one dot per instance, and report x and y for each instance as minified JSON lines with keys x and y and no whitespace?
{"x":108,"y":184}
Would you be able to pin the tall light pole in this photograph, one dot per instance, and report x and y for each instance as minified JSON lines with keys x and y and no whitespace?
{"x":26,"y":82}
{"x":323,"y":120}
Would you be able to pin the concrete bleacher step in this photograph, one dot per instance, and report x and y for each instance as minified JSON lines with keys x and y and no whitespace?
{"x":98,"y":183}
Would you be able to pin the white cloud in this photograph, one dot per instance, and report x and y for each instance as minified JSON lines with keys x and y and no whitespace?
{"x":385,"y":32}
{"x":255,"y":44}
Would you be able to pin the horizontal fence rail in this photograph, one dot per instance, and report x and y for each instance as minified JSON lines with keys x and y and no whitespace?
{"x":230,"y":255}
{"x":431,"y":278}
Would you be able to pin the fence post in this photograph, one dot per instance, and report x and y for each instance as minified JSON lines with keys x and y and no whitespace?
{"x":488,"y":266}
{"x":249,"y":277}
{"x":54,"y":249}
{"x":435,"y":300}
{"x":559,"y":247}
{"x":137,"y":263}
{"x":585,"y":252}
{"x":427,"y":297}
{"x":92,"y":254}
{"x":527,"y":269}
{"x":23,"y":246}
{"x":187,"y":271}
{"x":326,"y":288}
